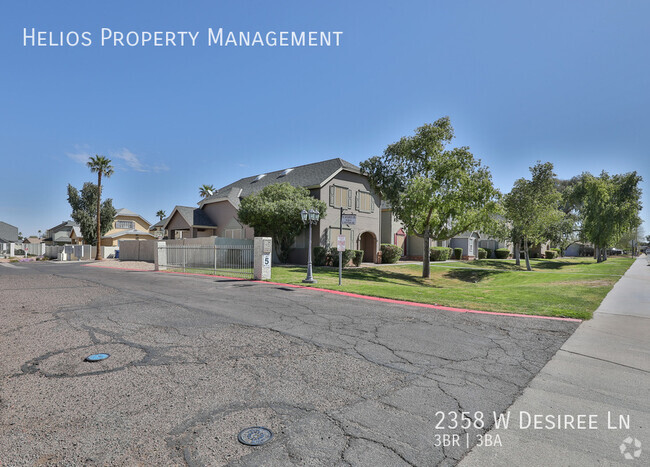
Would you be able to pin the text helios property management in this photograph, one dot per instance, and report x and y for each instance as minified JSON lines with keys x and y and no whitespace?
{"x":219,"y":37}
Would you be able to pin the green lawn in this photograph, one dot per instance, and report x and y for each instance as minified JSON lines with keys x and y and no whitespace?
{"x":563,"y":287}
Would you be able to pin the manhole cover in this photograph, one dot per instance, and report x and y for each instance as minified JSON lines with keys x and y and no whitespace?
{"x":97,"y":357}
{"x":255,"y":436}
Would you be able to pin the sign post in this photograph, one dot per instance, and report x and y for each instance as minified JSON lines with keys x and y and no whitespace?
{"x":348,"y":219}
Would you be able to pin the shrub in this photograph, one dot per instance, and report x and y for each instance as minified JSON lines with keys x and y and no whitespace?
{"x":357,"y":257}
{"x":334,"y":255}
{"x":558,"y":251}
{"x":390,"y":253}
{"x":502,"y":253}
{"x":482,"y":253}
{"x":320,"y":256}
{"x":489,"y":252}
{"x":439,"y":253}
{"x":551,"y":254}
{"x":458,"y":253}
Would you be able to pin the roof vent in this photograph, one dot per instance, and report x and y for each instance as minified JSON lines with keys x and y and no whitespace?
{"x":259,"y":177}
{"x":284,"y":172}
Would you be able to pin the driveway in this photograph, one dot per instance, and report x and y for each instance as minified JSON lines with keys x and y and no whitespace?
{"x":193,"y":360}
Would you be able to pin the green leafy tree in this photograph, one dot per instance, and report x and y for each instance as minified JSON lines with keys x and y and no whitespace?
{"x":532,"y":205}
{"x":610,"y":208}
{"x":206,"y":190}
{"x":84,"y":211}
{"x":161,"y":215}
{"x":102,"y":167}
{"x":275,"y":212}
{"x":437,"y":193}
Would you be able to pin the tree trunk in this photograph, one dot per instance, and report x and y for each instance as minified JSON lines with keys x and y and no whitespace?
{"x":426,"y":267}
{"x":98,"y":255}
{"x":605,"y":254}
{"x":528,"y":268}
{"x":517,"y":253}
{"x":597,"y":253}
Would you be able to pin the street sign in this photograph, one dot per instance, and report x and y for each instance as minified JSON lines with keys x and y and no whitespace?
{"x":340,"y":243}
{"x":349,"y":219}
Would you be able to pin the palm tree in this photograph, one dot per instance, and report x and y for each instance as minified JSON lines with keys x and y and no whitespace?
{"x":161,"y":215}
{"x":206,"y":190}
{"x":101,"y":166}
{"x":39,"y":234}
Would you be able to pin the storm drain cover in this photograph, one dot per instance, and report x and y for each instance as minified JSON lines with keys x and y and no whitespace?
{"x":97,"y":357}
{"x":255,"y":436}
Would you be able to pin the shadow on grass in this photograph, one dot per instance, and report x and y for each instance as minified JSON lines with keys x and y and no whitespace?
{"x":377,"y":275}
{"x":496,"y":264}
{"x":470,"y":275}
{"x":558,"y":264}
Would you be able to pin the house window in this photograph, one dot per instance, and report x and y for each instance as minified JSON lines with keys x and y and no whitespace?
{"x":125,"y":225}
{"x":234,"y":233}
{"x":364,"y":202}
{"x":340,"y":197}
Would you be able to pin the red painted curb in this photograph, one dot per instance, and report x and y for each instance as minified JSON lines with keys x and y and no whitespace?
{"x":367,"y":297}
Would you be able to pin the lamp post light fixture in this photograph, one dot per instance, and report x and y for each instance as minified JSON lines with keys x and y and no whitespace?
{"x":309,"y":217}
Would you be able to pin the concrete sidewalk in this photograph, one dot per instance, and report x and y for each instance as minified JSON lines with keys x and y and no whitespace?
{"x":602,"y":371}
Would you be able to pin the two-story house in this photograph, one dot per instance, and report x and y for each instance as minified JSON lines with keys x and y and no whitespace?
{"x":127,"y":226}
{"x":8,"y":233}
{"x":338,"y":183}
{"x":59,"y":234}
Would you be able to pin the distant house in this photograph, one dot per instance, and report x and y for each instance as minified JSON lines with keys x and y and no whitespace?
{"x":59,"y":234}
{"x":468,"y":241}
{"x":8,"y":233}
{"x":158,"y":229}
{"x":338,"y":183}
{"x":189,"y":222}
{"x":75,"y":236}
{"x":127,"y":226}
{"x":392,"y":230}
{"x":33,"y":240}
{"x":490,"y":243}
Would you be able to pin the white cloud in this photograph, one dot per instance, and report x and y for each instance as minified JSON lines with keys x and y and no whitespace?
{"x":130,"y":159}
{"x":82,"y":153}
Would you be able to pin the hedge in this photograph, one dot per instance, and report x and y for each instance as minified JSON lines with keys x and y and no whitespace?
{"x":357,"y":257}
{"x":489,"y":252}
{"x":458,"y":253}
{"x":557,"y":250}
{"x":551,"y":254}
{"x":334,"y":256}
{"x":439,"y":253}
{"x":502,"y":253}
{"x":390,"y":253}
{"x":320,"y":256}
{"x":482,"y":253}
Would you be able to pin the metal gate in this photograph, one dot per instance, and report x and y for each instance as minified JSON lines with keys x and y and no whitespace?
{"x":234,"y":260}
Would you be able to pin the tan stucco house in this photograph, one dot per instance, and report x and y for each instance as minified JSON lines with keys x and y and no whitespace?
{"x":127,"y":226}
{"x":75,"y":236}
{"x":338,"y":183}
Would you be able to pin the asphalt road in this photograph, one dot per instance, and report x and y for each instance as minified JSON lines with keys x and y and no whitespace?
{"x":339,"y":380}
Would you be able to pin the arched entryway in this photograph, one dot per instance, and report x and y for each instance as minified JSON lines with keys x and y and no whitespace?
{"x":368,"y":243}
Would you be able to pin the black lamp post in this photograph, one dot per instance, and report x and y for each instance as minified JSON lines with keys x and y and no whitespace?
{"x":309,"y":217}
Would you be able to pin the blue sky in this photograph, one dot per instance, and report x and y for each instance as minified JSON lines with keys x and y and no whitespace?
{"x":566,"y":82}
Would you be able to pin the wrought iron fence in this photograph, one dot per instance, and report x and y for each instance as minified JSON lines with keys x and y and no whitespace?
{"x":226,"y":260}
